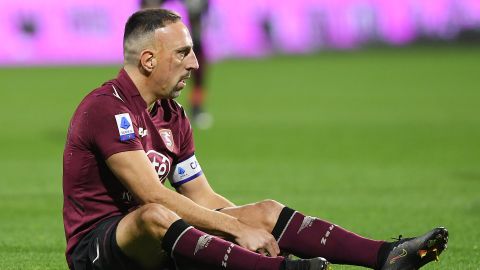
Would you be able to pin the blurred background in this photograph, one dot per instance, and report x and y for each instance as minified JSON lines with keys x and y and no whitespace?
{"x":362,"y":112}
{"x":90,"y":32}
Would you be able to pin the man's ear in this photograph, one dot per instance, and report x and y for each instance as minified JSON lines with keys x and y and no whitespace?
{"x":148,"y":61}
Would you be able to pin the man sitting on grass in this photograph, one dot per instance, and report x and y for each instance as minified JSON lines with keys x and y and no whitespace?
{"x":129,"y":135}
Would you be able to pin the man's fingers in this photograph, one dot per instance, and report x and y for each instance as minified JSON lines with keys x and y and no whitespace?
{"x":271,"y":252}
{"x":276,"y":247}
{"x":260,"y":241}
{"x":269,"y":249}
{"x":272,"y":249}
{"x":262,"y":251}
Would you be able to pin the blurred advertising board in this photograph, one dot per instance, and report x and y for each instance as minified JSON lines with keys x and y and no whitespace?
{"x":62,"y":32}
{"x":34,"y":32}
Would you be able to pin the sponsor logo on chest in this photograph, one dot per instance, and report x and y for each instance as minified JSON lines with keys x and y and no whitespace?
{"x":142,"y":132}
{"x":160,"y":163}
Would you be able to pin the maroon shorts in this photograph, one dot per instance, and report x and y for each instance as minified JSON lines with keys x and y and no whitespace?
{"x":98,"y":250}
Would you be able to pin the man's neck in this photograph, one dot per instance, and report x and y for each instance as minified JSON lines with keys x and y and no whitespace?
{"x":140,"y":83}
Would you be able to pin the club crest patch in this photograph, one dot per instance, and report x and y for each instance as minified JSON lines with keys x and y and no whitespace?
{"x":167,"y":138}
{"x":125,"y":126}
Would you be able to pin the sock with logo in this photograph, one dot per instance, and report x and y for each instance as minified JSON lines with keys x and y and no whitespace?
{"x":182,"y":240}
{"x":308,"y":237}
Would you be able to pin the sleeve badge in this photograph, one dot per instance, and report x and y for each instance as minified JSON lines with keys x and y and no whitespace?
{"x":125,"y":127}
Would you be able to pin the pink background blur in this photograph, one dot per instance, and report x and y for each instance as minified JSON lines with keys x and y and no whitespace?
{"x":90,"y":31}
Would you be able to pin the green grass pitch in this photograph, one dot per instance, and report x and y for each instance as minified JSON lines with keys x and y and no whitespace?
{"x":382,"y":142}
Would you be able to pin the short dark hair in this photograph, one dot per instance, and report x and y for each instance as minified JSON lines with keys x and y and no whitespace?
{"x":148,"y":20}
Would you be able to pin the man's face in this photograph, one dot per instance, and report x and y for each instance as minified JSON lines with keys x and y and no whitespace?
{"x":174,"y":58}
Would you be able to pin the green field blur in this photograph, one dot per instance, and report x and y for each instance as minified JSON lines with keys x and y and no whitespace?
{"x":382,"y":142}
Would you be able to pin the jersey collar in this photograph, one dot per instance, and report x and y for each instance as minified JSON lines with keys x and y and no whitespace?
{"x":128,"y":88}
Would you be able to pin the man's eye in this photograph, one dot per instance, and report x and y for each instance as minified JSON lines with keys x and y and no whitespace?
{"x":183,"y":54}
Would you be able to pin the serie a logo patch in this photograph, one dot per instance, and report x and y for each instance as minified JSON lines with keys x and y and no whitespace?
{"x":125,"y":126}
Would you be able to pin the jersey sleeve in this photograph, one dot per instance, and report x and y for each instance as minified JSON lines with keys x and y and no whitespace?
{"x":187,"y":167}
{"x":112,"y":127}
{"x":187,"y":145}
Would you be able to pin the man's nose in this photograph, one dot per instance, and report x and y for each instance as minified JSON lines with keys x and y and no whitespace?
{"x":192,"y":62}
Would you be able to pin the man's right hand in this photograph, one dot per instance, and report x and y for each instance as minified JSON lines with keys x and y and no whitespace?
{"x":257,"y":240}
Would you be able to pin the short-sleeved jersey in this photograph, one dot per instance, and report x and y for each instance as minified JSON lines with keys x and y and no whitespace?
{"x":112,"y":119}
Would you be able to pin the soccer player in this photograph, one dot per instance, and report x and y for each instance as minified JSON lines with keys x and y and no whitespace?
{"x":196,"y":12}
{"x":128,"y":136}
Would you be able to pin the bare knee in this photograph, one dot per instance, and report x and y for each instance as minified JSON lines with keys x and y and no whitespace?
{"x":269,"y":211}
{"x":154,"y":219}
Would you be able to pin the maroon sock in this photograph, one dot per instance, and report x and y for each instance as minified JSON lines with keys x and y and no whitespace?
{"x":182,"y":239}
{"x":308,"y":237}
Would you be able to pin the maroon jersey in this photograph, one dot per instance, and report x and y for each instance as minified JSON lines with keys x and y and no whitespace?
{"x":111,"y":119}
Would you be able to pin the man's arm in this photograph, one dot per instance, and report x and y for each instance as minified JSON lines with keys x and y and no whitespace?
{"x":136,"y":173}
{"x":200,"y":191}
